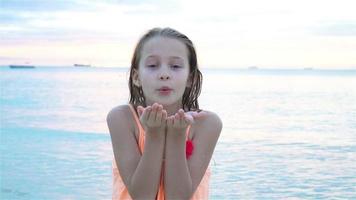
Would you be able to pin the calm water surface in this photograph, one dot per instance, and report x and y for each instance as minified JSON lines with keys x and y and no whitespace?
{"x":287,"y":133}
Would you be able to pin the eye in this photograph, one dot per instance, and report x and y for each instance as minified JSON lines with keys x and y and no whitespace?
{"x":151,"y":66}
{"x":176,"y":66}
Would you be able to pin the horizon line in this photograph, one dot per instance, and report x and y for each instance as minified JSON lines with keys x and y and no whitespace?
{"x":250,"y":68}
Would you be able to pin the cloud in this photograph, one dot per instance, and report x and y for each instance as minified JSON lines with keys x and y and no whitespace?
{"x":338,"y":29}
{"x":17,"y":6}
{"x":254,"y":29}
{"x":92,"y":20}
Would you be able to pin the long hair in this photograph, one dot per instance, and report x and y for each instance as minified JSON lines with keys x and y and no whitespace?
{"x":191,"y":94}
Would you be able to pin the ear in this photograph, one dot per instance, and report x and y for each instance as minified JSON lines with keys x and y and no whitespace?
{"x":136,"y":79}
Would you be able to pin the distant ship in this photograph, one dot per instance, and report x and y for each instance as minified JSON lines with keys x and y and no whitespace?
{"x":81,"y":65}
{"x":253,"y":67}
{"x":308,"y":68}
{"x":21,"y":66}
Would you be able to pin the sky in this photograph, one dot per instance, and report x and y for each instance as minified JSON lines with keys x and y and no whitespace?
{"x":226,"y":33}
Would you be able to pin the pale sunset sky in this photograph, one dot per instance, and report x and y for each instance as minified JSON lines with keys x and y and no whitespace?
{"x":226,"y":33}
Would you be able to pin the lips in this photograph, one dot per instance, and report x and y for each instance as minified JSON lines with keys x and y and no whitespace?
{"x":165,"y":90}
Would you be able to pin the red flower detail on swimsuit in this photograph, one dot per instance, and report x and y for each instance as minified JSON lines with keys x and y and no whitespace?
{"x":189,"y":147}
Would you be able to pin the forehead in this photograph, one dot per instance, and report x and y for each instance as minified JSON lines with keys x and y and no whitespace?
{"x":165,"y":48}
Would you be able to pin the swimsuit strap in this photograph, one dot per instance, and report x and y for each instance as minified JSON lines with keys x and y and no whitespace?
{"x":141,"y":134}
{"x":137,"y":120}
{"x":187,"y":132}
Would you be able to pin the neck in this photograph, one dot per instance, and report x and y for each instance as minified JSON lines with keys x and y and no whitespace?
{"x":172,"y":109}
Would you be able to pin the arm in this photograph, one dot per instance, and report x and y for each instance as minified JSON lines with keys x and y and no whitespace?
{"x":183,"y":176}
{"x":140,"y":173}
{"x":177,"y":178}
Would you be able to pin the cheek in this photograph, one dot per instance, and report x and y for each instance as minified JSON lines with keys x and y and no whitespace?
{"x":146,"y":77}
{"x":146,"y":84}
{"x":184,"y":77}
{"x":183,"y":81}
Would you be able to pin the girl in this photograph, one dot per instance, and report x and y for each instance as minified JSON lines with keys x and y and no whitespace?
{"x":162,"y":141}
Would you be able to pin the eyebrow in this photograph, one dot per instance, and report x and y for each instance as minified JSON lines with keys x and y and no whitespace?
{"x":153,"y":56}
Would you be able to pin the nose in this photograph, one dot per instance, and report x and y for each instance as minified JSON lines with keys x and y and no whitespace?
{"x":164,"y":77}
{"x":164,"y":74}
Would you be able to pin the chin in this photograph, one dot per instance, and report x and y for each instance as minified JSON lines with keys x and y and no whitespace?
{"x":167,"y":102}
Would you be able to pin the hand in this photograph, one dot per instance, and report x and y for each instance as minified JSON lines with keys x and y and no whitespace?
{"x":180,"y":120}
{"x":194,"y":115}
{"x":152,"y":117}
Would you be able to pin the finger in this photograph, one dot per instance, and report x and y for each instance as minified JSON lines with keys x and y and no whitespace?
{"x":177,"y":119}
{"x":182,"y":120}
{"x":181,"y":113}
{"x":170,"y":121}
{"x":152,"y":116}
{"x":176,"y":116}
{"x":189,"y":119}
{"x":159,"y":114}
{"x":164,"y":115}
{"x":140,"y":110}
{"x":156,"y":105}
{"x":146,"y":113}
{"x":155,"y":110}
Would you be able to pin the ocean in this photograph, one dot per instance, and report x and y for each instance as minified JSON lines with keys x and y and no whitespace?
{"x":287,"y":134}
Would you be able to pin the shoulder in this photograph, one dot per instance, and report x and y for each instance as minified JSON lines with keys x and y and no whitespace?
{"x":117,"y":112}
{"x":118,"y":116}
{"x":211,"y":117}
{"x":208,"y":124}
{"x":205,"y":135}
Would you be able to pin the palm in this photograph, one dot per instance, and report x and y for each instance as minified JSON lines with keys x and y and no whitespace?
{"x":152,"y":116}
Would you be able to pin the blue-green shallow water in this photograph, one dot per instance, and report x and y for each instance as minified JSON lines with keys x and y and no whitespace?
{"x":287,"y":133}
{"x":53,"y":164}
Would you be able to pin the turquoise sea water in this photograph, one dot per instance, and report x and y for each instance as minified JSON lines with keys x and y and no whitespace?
{"x":287,"y":133}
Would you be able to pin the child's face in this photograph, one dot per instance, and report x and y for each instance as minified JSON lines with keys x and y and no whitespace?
{"x":163,"y":71}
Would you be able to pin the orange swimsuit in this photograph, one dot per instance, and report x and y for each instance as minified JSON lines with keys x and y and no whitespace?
{"x":120,"y":191}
